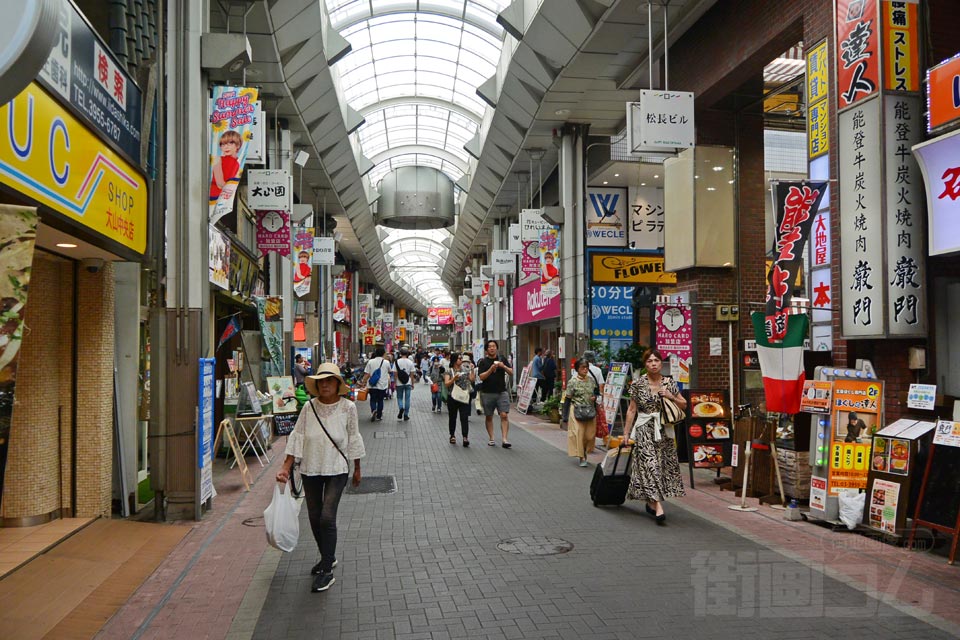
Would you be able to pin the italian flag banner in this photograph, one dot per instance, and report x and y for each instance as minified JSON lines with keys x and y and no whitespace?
{"x":781,"y":363}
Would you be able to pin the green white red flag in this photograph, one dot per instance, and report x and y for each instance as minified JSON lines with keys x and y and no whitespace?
{"x":781,"y":362}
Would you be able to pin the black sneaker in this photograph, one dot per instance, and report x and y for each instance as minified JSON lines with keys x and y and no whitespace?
{"x":322,"y":582}
{"x":400,"y":414}
{"x":315,"y":571}
{"x":406,"y":418}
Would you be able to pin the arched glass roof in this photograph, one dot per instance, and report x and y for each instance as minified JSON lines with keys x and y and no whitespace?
{"x":413,"y":71}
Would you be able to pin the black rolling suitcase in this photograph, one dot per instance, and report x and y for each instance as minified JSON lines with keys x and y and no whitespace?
{"x":611,"y":488}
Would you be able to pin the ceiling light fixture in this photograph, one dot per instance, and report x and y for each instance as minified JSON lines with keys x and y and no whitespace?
{"x":655,"y":177}
{"x":616,"y":175}
{"x":605,"y":182}
{"x":66,"y":245}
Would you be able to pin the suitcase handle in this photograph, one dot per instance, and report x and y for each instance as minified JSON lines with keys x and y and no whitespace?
{"x":617,"y":461}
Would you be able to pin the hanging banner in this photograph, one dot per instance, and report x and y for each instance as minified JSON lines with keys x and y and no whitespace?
{"x":674,"y":326}
{"x":515,"y":244}
{"x":440,"y":316}
{"x":270,"y":314}
{"x":797,"y":202}
{"x":219,"y":259}
{"x":269,"y":189}
{"x":532,"y":224}
{"x":324,"y":251}
{"x":18,"y":233}
{"x":857,"y":52}
{"x":606,"y":217}
{"x":549,"y":246}
{"x":303,"y":252}
{"x":364,"y":304}
{"x":273,"y":232}
{"x":205,"y":420}
{"x":502,"y":262}
{"x":646,"y":219}
{"x":341,"y":297}
{"x":258,"y":140}
{"x":530,"y":262}
{"x":231,"y":124}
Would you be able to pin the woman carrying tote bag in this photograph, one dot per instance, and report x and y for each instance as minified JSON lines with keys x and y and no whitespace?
{"x":582,"y":421}
{"x":458,"y":381}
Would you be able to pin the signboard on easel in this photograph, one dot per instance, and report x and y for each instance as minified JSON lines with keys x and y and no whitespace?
{"x":613,"y":390}
{"x":230,"y":437}
{"x":938,"y":506}
{"x":526,"y":395}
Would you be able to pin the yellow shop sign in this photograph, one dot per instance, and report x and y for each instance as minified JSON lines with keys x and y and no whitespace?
{"x":620,"y":268}
{"x":49,"y":156}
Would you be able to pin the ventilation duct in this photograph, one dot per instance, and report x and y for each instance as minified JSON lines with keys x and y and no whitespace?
{"x":415,"y":198}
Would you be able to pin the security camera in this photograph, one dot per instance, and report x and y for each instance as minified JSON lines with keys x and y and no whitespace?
{"x":92,"y":265}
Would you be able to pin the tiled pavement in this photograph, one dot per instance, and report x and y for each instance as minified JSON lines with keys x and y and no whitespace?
{"x":424,"y":562}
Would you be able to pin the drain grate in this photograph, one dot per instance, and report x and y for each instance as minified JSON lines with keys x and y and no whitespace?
{"x":374,"y":484}
{"x":389,"y":434}
{"x":535,"y":546}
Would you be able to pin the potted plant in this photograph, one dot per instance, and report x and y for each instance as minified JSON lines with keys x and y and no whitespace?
{"x":551,"y":408}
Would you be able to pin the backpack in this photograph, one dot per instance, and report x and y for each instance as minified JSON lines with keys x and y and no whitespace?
{"x":403,"y":377}
{"x":375,"y":376}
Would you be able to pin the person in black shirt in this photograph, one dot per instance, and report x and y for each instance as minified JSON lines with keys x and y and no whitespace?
{"x":493,"y":371}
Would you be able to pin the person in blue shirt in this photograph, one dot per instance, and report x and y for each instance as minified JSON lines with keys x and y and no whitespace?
{"x":536,"y":372}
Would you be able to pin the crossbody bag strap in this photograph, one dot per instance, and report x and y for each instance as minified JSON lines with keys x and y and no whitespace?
{"x":328,"y":434}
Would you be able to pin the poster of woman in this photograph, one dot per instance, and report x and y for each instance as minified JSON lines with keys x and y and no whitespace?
{"x":549,"y":246}
{"x":303,"y":250}
{"x":231,"y":124}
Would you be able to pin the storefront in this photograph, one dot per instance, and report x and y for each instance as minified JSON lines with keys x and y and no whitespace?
{"x":537,"y":321}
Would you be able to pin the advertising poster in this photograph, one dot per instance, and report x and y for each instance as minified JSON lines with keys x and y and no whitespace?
{"x":341,"y":298}
{"x":674,"y":324}
{"x":219,"y":259}
{"x":273,"y":232}
{"x":857,"y":414}
{"x":231,"y":129}
{"x":270,"y":313}
{"x":612,"y":316}
{"x":549,"y":247}
{"x":283,"y":393}
{"x":526,"y":394}
{"x":884,"y":500}
{"x":708,"y":430}
{"x":947,"y":433}
{"x":818,"y":493}
{"x":617,"y":379}
{"x":922,"y":396}
{"x":606,"y":212}
{"x":530,"y":262}
{"x":303,"y":259}
{"x":816,"y":396}
{"x":364,"y":304}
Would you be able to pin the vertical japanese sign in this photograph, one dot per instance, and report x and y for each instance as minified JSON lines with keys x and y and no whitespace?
{"x":901,"y":46}
{"x":549,"y":262}
{"x":796,"y":204}
{"x":18,"y":233}
{"x":303,"y":256}
{"x":645,"y":232}
{"x":674,"y":325}
{"x":906,"y":255}
{"x":205,"y":427}
{"x":858,"y":51}
{"x":273,"y":232}
{"x":861,"y":220}
{"x":818,"y":111}
{"x":231,"y":128}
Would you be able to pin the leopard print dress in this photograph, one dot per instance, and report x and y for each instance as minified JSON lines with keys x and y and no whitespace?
{"x":654,"y":466}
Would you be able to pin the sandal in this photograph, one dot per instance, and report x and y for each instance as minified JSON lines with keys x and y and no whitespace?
{"x":453,"y":440}
{"x":491,"y":444}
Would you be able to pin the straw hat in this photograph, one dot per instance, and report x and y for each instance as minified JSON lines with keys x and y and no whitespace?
{"x":326,"y":370}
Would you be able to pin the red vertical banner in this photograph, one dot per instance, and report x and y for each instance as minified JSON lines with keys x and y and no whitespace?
{"x":858,"y":51}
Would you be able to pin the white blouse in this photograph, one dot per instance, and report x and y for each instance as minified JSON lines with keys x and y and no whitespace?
{"x":318,"y":456}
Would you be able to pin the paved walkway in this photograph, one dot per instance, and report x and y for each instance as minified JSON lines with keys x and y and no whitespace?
{"x":424,"y":562}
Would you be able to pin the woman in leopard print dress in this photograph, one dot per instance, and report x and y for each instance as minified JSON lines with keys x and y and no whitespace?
{"x":654,"y":467}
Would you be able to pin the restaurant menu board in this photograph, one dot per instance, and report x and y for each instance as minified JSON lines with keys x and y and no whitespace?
{"x":613,"y":389}
{"x":884,"y":500}
{"x":891,"y":455}
{"x":857,"y":415}
{"x":816,"y":396}
{"x":284,"y":423}
{"x":947,"y":433}
{"x":708,"y":430}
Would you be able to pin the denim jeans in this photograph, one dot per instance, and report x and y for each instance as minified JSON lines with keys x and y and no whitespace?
{"x":403,"y":398}
{"x":376,"y":401}
{"x":436,"y":400}
{"x":322,"y":495}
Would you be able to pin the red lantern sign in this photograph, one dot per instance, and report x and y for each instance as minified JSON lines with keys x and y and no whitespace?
{"x":500,"y":282}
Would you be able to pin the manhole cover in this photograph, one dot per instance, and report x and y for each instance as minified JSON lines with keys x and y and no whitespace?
{"x":535,"y":546}
{"x":389,"y":434}
{"x":374,"y":484}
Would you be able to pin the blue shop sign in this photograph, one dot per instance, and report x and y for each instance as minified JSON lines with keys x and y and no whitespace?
{"x":612,"y":313}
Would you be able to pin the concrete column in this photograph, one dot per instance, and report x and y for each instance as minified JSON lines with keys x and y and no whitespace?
{"x":127,"y":336}
{"x":569,"y":267}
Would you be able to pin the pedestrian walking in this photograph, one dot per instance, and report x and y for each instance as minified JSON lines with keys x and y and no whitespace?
{"x":549,"y":373}
{"x":582,"y":392}
{"x":494,"y":397}
{"x":405,"y":382}
{"x":376,"y":377}
{"x":325,"y":439}
{"x":654,"y":466}
{"x":536,"y":372}
{"x":458,"y":380}
{"x":436,"y":379}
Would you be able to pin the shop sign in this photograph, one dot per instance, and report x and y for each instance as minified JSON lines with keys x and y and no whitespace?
{"x":857,"y":414}
{"x":906,"y":255}
{"x":231,"y":124}
{"x":947,"y":433}
{"x":303,"y":258}
{"x":818,"y":129}
{"x":821,"y":283}
{"x":861,"y":222}
{"x":939,"y":161}
{"x":606,"y":215}
{"x":488,"y":316}
{"x":324,"y":251}
{"x":502,"y":262}
{"x":858,"y":51}
{"x":663,"y":119}
{"x":821,"y":337}
{"x":531,"y":224}
{"x":943,"y":93}
{"x":219,"y":258}
{"x":485,"y":289}
{"x":612,"y":314}
{"x":49,"y":156}
{"x":530,"y":304}
{"x":549,"y":246}
{"x":273,"y":232}
{"x":818,"y":76}
{"x":205,"y":420}
{"x":816,"y":396}
{"x":901,"y":46}
{"x":94,"y":84}
{"x":516,"y":241}
{"x":820,"y":256}
{"x":645,"y":232}
{"x":440,"y":315}
{"x":818,"y":113}
{"x":268,"y":189}
{"x":674,"y":326}
{"x":709,"y":431}
{"x":364,"y":304}
{"x":622,"y":268}
{"x":387,"y":317}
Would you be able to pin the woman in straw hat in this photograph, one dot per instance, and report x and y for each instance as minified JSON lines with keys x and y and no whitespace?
{"x":325,"y":439}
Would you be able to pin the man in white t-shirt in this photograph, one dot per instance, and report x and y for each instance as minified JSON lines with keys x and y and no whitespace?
{"x":377,"y":388}
{"x":404,"y":371}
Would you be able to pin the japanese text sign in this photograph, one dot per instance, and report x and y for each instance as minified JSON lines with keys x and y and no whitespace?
{"x":268,"y":189}
{"x":818,"y":77}
{"x":645,"y":231}
{"x":857,"y":414}
{"x":665,"y":119}
{"x":818,"y":111}
{"x":858,"y":52}
{"x":273,"y":232}
{"x":901,"y":46}
{"x":531,"y":304}
{"x":674,"y":326}
{"x":324,"y":251}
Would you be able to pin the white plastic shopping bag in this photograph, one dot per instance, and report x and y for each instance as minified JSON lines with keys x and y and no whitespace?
{"x":282,"y":519}
{"x":851,"y":507}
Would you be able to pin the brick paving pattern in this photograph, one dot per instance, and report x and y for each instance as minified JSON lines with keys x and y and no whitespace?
{"x":423,"y":562}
